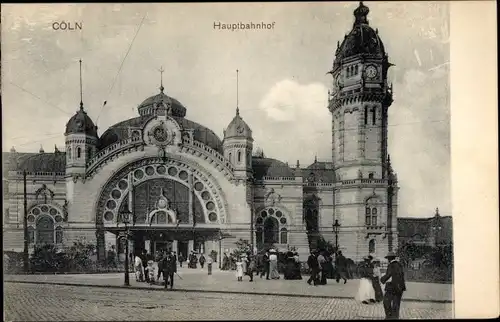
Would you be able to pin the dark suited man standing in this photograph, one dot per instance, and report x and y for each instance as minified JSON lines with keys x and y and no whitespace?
{"x":394,"y":281}
{"x":266,"y":266}
{"x":169,"y":268}
{"x":312,"y":262}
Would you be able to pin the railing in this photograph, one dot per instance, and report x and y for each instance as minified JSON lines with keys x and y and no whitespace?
{"x":110,"y":149}
{"x":42,"y":174}
{"x":357,"y":181}
{"x":279,"y":178}
{"x":212,"y":152}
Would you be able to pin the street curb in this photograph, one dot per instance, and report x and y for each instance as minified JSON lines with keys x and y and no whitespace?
{"x":215,"y":291}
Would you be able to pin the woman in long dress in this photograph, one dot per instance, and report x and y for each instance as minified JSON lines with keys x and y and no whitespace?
{"x":366,"y":293}
{"x":239,"y":270}
{"x":139,"y":274}
{"x":273,"y":265}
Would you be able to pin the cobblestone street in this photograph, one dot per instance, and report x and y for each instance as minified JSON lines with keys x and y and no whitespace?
{"x":31,"y":302}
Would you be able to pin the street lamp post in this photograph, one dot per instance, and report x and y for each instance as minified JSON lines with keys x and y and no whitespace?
{"x":125,"y":216}
{"x":336,"y":226}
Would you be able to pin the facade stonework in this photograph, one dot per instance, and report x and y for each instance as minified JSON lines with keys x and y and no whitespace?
{"x":189,"y":190}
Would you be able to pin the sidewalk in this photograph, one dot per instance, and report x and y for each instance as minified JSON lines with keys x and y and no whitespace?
{"x":225,"y":282}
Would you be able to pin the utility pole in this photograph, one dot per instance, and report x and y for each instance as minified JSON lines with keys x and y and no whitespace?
{"x":25,"y":225}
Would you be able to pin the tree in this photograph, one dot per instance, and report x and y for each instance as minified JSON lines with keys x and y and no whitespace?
{"x":242,"y":247}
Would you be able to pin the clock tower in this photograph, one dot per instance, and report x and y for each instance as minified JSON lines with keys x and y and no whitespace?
{"x":238,"y":145}
{"x":366,"y":189}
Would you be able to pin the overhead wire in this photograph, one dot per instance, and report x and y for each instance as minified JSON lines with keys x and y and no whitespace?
{"x":121,"y":65}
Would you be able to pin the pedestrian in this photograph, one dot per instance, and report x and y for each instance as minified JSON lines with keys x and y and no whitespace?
{"x":340,"y":267}
{"x":144,"y":259}
{"x":265,"y":266}
{"x":169,"y":269}
{"x":244,"y":261}
{"x":395,"y":285}
{"x":366,"y":292}
{"x":151,"y":271}
{"x":209,"y":264}
{"x":202,"y":260}
{"x":379,"y":295}
{"x":181,"y":259}
{"x":312,"y":262}
{"x":139,"y":274}
{"x":239,"y":269}
{"x":225,"y":263}
{"x":159,"y":257}
{"x":273,"y":265}
{"x":251,"y":266}
{"x":322,"y":267}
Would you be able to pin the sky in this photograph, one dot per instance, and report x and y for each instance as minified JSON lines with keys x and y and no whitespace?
{"x":283,"y":80}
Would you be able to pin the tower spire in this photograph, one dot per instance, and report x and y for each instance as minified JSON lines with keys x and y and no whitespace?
{"x":161,"y":70}
{"x":81,"y":88}
{"x":237,"y":93}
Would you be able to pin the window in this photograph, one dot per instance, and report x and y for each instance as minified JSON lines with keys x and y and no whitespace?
{"x":374,"y":115}
{"x":45,"y":230}
{"x":69,"y":153}
{"x":366,"y":115}
{"x":370,"y":175}
{"x":371,"y":212}
{"x":283,"y":236}
{"x":59,"y":235}
{"x":230,"y":157}
{"x":356,"y":70}
{"x":89,"y":153}
{"x":78,"y":152}
{"x":31,"y":235}
{"x":239,"y":156}
{"x":271,"y":230}
{"x":371,"y":246}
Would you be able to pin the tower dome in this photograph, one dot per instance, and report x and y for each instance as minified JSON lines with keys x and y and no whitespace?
{"x":238,"y":128}
{"x":161,"y":102}
{"x":361,"y":40}
{"x":81,"y":123}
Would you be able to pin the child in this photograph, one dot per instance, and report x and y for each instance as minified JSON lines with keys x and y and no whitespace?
{"x":239,"y":269}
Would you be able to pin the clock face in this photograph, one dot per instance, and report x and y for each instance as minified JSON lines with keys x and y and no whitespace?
{"x":240,"y":129}
{"x":371,"y":71}
{"x":79,"y":123}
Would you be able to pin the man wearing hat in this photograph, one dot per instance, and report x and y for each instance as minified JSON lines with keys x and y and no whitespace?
{"x":394,"y":281}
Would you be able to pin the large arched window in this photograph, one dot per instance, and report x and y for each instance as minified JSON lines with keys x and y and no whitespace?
{"x":271,"y":227}
{"x":45,"y":225}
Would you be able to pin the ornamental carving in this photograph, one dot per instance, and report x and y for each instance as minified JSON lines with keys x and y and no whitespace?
{"x":272,"y":197}
{"x":162,"y":131}
{"x":45,"y":193}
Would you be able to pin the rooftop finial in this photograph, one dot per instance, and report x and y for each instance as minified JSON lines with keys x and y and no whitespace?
{"x":315,"y":158}
{"x":437,"y":211}
{"x":81,"y":88}
{"x":237,"y":93}
{"x":41,"y":149}
{"x":161,"y":70}
{"x":360,"y":13}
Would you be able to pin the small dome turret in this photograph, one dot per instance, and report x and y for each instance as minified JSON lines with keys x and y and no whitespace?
{"x":81,"y":123}
{"x":238,"y":128}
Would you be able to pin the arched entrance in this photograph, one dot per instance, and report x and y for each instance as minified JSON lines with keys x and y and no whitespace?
{"x":271,"y":228}
{"x":172,"y":203}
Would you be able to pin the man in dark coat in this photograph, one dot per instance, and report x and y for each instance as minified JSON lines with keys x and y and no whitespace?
{"x":340,"y":267}
{"x":145,"y":257}
{"x":202,"y":260}
{"x":312,"y":262}
{"x":395,"y":285}
{"x":266,"y":266}
{"x":169,"y":269}
{"x":181,"y":259}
